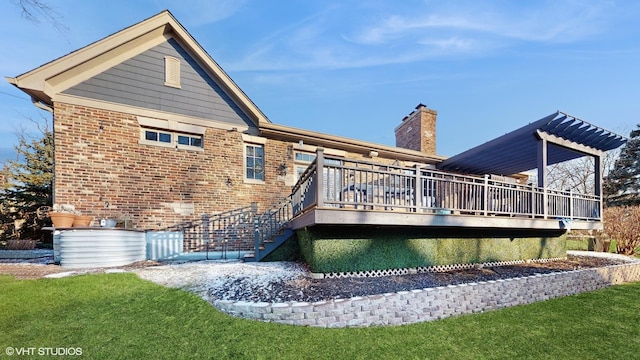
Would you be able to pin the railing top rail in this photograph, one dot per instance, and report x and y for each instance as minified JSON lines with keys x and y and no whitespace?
{"x":390,"y":169}
{"x":232,"y":212}
{"x":276,"y":208}
{"x":308,"y":172}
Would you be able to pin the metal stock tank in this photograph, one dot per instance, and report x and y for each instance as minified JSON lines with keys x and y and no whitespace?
{"x":98,"y":247}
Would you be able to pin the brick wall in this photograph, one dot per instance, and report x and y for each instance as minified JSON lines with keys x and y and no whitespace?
{"x":406,"y":307}
{"x":102,"y":169}
{"x":418,"y":131}
{"x":99,"y":161}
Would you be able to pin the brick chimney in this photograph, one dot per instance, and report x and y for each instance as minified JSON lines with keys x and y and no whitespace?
{"x":418,"y":131}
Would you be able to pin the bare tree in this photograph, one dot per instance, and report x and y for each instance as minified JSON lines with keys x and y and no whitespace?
{"x":579,"y":174}
{"x":35,"y":10}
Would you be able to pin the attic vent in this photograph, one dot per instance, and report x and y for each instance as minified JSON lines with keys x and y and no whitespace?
{"x":171,"y":71}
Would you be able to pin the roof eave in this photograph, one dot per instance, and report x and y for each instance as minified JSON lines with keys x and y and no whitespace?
{"x":293,"y":134}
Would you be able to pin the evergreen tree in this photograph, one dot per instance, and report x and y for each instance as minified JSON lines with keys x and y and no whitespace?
{"x":622,"y":185}
{"x":27,"y":186}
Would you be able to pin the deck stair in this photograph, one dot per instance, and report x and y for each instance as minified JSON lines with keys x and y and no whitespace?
{"x":271,"y":229}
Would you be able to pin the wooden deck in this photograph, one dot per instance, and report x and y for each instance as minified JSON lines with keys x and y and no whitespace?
{"x":333,"y":216}
{"x":338,"y":191}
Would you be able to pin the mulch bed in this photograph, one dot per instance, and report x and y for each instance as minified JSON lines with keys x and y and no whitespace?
{"x":312,"y":290}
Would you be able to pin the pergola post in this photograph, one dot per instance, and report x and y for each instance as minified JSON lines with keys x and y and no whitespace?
{"x":597,"y":181}
{"x":542,"y":174}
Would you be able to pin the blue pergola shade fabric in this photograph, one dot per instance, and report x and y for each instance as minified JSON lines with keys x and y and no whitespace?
{"x":517,"y":151}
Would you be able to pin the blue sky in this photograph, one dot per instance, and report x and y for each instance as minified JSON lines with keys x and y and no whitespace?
{"x":355,"y":68}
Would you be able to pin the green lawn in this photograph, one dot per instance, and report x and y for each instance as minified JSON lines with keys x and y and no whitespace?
{"x":118,"y":316}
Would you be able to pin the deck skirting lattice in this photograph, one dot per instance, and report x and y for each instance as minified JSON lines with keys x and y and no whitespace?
{"x":423,"y":269}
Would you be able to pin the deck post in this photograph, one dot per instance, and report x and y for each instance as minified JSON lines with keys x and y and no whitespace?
{"x":320,"y":177}
{"x":419,"y":192}
{"x":486,"y":195}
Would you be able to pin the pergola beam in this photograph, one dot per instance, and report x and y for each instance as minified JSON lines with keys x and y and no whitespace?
{"x":572,"y":145}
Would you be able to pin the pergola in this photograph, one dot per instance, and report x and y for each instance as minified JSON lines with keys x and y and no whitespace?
{"x":553,"y":139}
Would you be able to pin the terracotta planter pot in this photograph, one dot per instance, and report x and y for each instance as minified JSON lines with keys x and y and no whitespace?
{"x":62,"y":220}
{"x":82,"y":221}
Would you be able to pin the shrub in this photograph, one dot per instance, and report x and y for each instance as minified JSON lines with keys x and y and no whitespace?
{"x":622,"y":224}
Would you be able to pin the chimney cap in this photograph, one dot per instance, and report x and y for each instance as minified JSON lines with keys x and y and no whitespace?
{"x":421,"y":105}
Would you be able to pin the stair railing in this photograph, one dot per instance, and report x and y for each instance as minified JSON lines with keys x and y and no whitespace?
{"x":216,"y":232}
{"x":270,"y":223}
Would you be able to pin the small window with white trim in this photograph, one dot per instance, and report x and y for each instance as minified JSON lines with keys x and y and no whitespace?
{"x":168,"y":133}
{"x":190,"y":140}
{"x":173,"y":139}
{"x":302,"y":161}
{"x":254,"y":162}
{"x":172,"y":71}
{"x":157,"y":135}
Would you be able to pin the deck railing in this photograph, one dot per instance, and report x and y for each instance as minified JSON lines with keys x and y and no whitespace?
{"x":332,"y":182}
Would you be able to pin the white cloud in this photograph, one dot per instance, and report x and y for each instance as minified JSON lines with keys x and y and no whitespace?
{"x":451,"y":43}
{"x":551,"y":21}
{"x":335,"y":38}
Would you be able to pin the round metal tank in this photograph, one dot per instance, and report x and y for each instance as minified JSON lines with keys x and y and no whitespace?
{"x":101,"y":247}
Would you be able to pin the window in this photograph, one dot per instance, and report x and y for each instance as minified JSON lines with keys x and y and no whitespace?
{"x":190,"y":140}
{"x":172,"y":71}
{"x":254,"y":162}
{"x":171,"y":139}
{"x":302,"y":161}
{"x":154,"y":135}
{"x":305,"y":157}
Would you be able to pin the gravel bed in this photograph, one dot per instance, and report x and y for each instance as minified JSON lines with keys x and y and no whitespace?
{"x":289,"y":282}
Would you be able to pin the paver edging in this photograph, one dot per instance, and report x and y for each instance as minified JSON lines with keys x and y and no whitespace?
{"x":419,"y":305}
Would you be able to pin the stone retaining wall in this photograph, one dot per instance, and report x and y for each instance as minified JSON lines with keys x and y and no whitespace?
{"x":406,"y":307}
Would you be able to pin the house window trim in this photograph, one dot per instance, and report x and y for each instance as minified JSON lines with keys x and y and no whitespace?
{"x":174,"y":139}
{"x":171,"y":127}
{"x":172,"y":72}
{"x":261,"y":144}
{"x":300,"y":165}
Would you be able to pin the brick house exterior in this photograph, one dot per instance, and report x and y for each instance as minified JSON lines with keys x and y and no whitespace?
{"x":149,"y":128}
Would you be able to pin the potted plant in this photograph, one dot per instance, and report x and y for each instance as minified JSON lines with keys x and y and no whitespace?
{"x":82,"y":220}
{"x":62,"y":215}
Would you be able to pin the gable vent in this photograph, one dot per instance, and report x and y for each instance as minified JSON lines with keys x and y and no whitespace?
{"x":171,"y":71}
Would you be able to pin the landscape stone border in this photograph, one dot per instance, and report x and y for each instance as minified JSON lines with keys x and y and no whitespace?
{"x":407,"y":307}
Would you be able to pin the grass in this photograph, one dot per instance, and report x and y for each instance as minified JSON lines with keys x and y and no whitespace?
{"x":119,"y":316}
